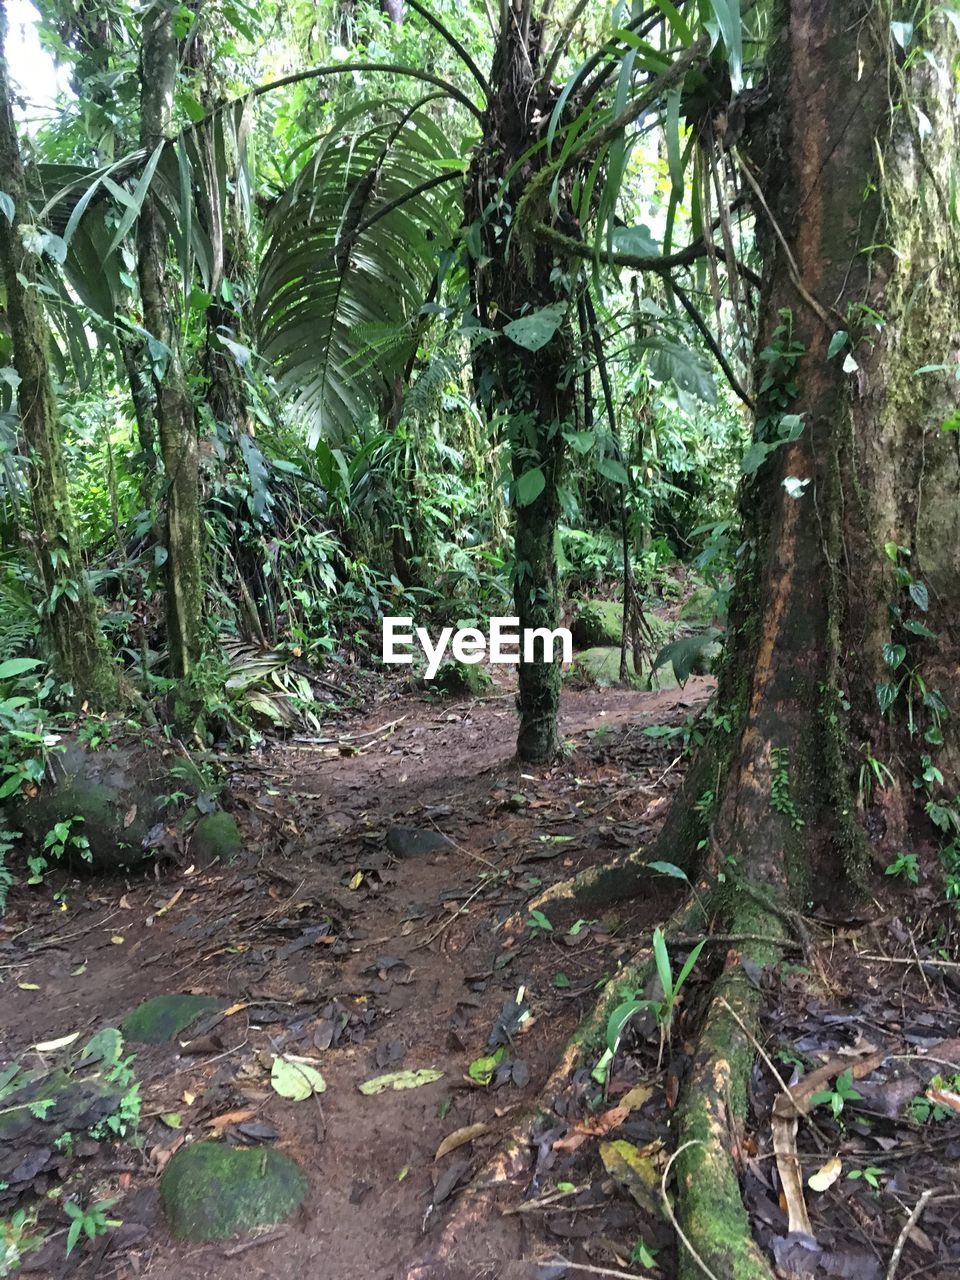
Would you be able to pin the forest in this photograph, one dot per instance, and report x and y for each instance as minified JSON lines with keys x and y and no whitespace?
{"x":480,"y":639}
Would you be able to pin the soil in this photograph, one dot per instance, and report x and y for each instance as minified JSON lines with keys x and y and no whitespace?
{"x":325,"y":945}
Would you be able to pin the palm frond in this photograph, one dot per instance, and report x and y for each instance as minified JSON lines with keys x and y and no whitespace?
{"x":353,"y":246}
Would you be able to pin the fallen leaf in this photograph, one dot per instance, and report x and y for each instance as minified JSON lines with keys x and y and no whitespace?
{"x":826,"y":1175}
{"x":598,"y":1127}
{"x":235,"y":1008}
{"x":481,"y":1069}
{"x":295,"y":1079}
{"x":189,"y":1098}
{"x":221,"y":1122}
{"x":460,"y":1137}
{"x":636,"y":1169}
{"x":357,"y":880}
{"x":172,"y":1119}
{"x":29,"y":986}
{"x":129,"y":817}
{"x":634,"y":1099}
{"x":400,"y":1080}
{"x":117,"y":940}
{"x":50,"y":1046}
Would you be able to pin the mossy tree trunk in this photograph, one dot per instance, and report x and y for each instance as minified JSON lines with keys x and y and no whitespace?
{"x":830,"y":623}
{"x":532,"y":391}
{"x":174,"y":410}
{"x":70,"y":617}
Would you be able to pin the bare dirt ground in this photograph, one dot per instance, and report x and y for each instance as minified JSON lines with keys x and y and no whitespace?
{"x":326,"y":945}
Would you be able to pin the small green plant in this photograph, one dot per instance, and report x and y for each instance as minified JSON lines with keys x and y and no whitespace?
{"x":92,"y":1221}
{"x":8,"y":840}
{"x":663,"y":1009}
{"x":871,"y":1176}
{"x":780,"y":796}
{"x":873,"y":773}
{"x":923,"y":1108}
{"x":538,"y":923}
{"x":17,"y":1239}
{"x":905,"y":865}
{"x":837,"y":1097}
{"x":59,"y":840}
{"x":642,"y":1256}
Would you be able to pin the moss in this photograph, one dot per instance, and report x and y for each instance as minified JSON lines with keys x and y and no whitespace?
{"x":162,"y":1018}
{"x":700,"y":607}
{"x":454,"y":679}
{"x":211,"y":1191}
{"x":216,"y":837}
{"x":600,"y":622}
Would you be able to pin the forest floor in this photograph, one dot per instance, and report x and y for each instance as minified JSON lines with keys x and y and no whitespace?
{"x":322,"y":942}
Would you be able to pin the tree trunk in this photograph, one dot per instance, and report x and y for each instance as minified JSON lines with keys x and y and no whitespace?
{"x":534,"y":390}
{"x":176,"y":423}
{"x":819,"y":607}
{"x":69,"y":612}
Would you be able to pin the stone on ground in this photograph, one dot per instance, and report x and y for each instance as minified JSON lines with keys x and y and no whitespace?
{"x":211,"y":1191}
{"x":216,"y":836}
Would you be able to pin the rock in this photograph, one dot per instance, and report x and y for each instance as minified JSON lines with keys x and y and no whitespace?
{"x":700,"y":608}
{"x":115,"y":792}
{"x":163,"y":1018}
{"x":601,"y":666}
{"x":211,"y":1191}
{"x":457,"y":678}
{"x":216,"y":836}
{"x":408,"y":842}
{"x":599,"y":623}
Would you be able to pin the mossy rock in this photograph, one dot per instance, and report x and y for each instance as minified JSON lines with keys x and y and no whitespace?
{"x":216,"y":836}
{"x":162,"y":1018}
{"x":211,"y":1191}
{"x":458,"y":678}
{"x":600,"y":666}
{"x":599,"y":623}
{"x":699,"y":608}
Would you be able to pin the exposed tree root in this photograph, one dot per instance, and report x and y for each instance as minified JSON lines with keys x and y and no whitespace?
{"x":710,"y":1122}
{"x":712,"y":1223}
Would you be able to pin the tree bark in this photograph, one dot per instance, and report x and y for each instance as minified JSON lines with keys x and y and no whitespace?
{"x":70,"y":619}
{"x":851,"y":246}
{"x":534,"y":390}
{"x":176,"y":422}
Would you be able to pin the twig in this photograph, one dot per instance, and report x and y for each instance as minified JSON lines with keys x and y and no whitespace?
{"x":908,"y":1226}
{"x":601,"y":1271}
{"x":244,"y":1245}
{"x":668,"y":1209}
{"x":933,"y":964}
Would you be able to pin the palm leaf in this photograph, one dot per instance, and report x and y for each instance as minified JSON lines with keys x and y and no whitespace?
{"x":352,"y":249}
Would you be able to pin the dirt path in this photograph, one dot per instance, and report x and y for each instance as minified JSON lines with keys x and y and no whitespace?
{"x":326,"y":945}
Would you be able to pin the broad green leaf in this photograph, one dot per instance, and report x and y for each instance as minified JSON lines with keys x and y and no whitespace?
{"x":400,"y":1080}
{"x":683,"y":654}
{"x":529,"y":486}
{"x":661,"y":958}
{"x":637,"y":241}
{"x":139,"y":196}
{"x":17,"y":666}
{"x":613,"y":470}
{"x":669,"y":869}
{"x":919,"y":595}
{"x":294,"y":1079}
{"x":534,"y":331}
{"x":887,"y":696}
{"x":837,"y":343}
{"x":481,"y":1069}
{"x":894,"y":654}
{"x":619,"y":1018}
{"x":7,"y":207}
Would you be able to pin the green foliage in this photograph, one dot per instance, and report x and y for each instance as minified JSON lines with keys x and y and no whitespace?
{"x":91,"y":1222}
{"x":904,"y":865}
{"x":837,"y":1097}
{"x":663,"y":1009}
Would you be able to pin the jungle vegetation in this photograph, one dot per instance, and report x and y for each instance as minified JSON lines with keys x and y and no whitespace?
{"x":316,"y":312}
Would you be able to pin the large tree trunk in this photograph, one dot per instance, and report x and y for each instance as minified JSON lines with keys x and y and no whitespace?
{"x":176,"y":422}
{"x":69,"y":611}
{"x":533,"y":390}
{"x":818,"y":598}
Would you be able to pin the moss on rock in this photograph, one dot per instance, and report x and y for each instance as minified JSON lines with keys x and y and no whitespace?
{"x":162,"y":1018}
{"x":216,"y":836}
{"x":601,"y":666}
{"x":211,"y":1191}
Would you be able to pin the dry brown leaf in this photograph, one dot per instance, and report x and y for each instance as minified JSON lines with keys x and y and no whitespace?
{"x":227,"y":1118}
{"x":944,"y":1098}
{"x":460,"y":1137}
{"x":826,"y":1175}
{"x":170,"y":902}
{"x":634,"y":1099}
{"x":598,"y":1127}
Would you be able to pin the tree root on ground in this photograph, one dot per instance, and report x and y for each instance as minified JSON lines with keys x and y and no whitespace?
{"x":713,"y":1227}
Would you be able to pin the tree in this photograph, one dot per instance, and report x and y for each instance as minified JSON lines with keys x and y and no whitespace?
{"x":68,"y":611}
{"x":175,"y":418}
{"x":843,"y":633}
